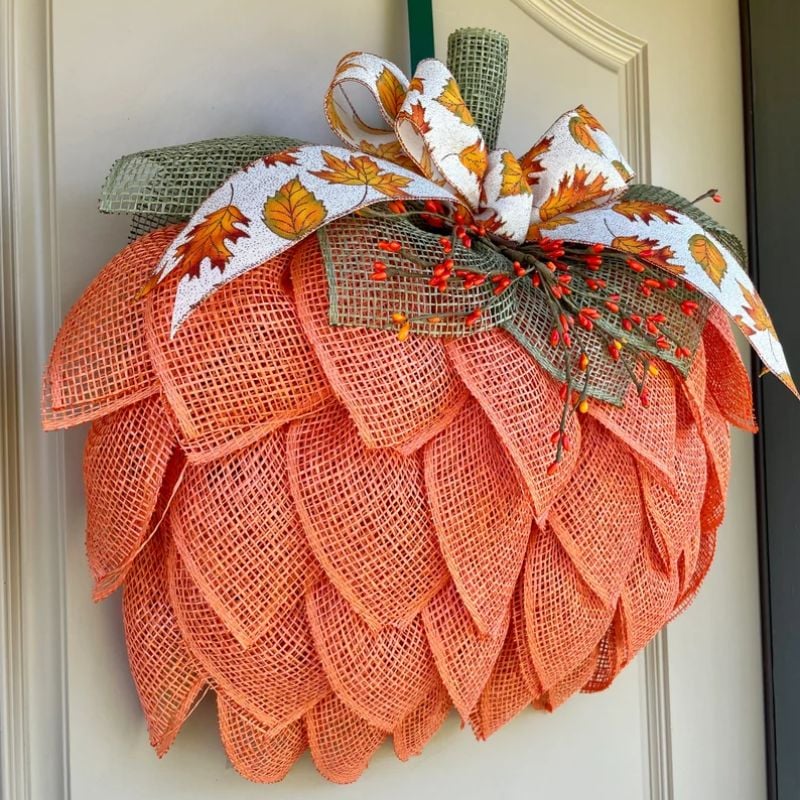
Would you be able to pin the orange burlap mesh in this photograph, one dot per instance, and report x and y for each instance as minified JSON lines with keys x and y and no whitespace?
{"x":124,"y":463}
{"x":240,"y":538}
{"x":418,"y":727}
{"x":366,"y":517}
{"x":482,"y":513}
{"x":564,"y":618}
{"x":675,"y":516}
{"x":238,"y":367}
{"x":168,"y":679}
{"x":518,"y":627}
{"x":277,"y":679}
{"x":341,"y":742}
{"x":598,"y":517}
{"x":464,"y":657}
{"x":99,"y":361}
{"x":506,"y":692}
{"x":648,"y":598}
{"x":523,"y":404}
{"x":610,"y":655}
{"x":566,"y":687}
{"x":648,"y":431}
{"x":399,"y":394}
{"x":254,"y":752}
{"x":727,"y":377}
{"x":380,"y":676}
{"x":716,"y":435}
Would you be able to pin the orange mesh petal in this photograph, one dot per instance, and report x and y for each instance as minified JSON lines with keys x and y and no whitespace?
{"x":610,"y":657}
{"x":674,"y":517}
{"x":99,"y":362}
{"x":238,"y":367}
{"x":648,"y":431}
{"x":506,"y":692}
{"x":124,"y":464}
{"x":647,"y":600}
{"x":517,"y":627}
{"x":564,"y":619}
{"x":417,"y":729}
{"x":463,"y":656}
{"x":728,"y":378}
{"x":716,"y":436}
{"x":381,"y":676}
{"x":255,"y":753}
{"x":557,"y":695}
{"x":691,"y":582}
{"x":341,"y":743}
{"x":366,"y":518}
{"x":240,"y":538}
{"x":277,"y":679}
{"x":482,"y":513}
{"x":168,"y":679}
{"x":523,"y":405}
{"x":599,"y":518}
{"x":399,"y":394}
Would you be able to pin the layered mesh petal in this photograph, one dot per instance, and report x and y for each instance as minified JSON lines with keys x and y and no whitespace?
{"x":238,"y":367}
{"x":168,"y":679}
{"x":366,"y":517}
{"x":523,"y":404}
{"x":418,"y":727}
{"x":649,"y":431}
{"x":277,"y":679}
{"x":399,"y":394}
{"x":482,"y":513}
{"x":99,"y":361}
{"x":557,"y":695}
{"x":381,"y":676}
{"x":341,"y":742}
{"x":564,"y":618}
{"x":255,"y":753}
{"x":464,"y":657}
{"x":598,"y":517}
{"x":124,"y":466}
{"x":240,"y":538}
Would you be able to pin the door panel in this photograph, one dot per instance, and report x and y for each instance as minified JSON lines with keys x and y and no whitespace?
{"x":133,"y":76}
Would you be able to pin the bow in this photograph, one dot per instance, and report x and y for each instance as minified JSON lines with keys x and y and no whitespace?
{"x":425,"y":146}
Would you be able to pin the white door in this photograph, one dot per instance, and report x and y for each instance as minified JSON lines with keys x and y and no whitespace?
{"x":685,"y":720}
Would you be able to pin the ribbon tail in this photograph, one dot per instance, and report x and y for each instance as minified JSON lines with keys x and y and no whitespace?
{"x":674,"y":243}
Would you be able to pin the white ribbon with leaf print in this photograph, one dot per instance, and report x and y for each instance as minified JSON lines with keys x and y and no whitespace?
{"x":568,"y":185}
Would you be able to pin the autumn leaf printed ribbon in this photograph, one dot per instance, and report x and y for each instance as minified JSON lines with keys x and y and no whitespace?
{"x":425,"y":146}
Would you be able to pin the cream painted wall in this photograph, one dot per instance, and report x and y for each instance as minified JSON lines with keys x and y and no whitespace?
{"x":134,"y":75}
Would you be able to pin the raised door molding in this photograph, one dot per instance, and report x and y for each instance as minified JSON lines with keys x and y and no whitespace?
{"x":33,"y":736}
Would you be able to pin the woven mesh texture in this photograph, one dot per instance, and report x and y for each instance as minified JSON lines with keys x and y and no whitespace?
{"x":168,"y":679}
{"x":522,"y":404}
{"x":238,"y":367}
{"x":478,"y":59}
{"x":572,"y":683}
{"x":649,"y":431}
{"x":600,"y":534}
{"x":727,"y":377}
{"x":716,"y":435}
{"x":399,"y":394}
{"x":171,"y":182}
{"x":99,"y":360}
{"x":463,"y":656}
{"x":277,"y":679}
{"x":648,"y":598}
{"x":564,"y":619}
{"x":254,"y":752}
{"x":519,"y":630}
{"x":341,"y":743}
{"x":417,"y":729}
{"x":482,"y":513}
{"x":381,"y":676}
{"x":610,"y":656}
{"x":124,"y":463}
{"x":506,"y":693}
{"x":240,"y":538}
{"x":350,"y":245}
{"x":366,"y":518}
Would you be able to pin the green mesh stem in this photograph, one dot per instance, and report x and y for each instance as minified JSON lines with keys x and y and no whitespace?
{"x":478,"y":59}
{"x":657,"y":194}
{"x":167,"y":185}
